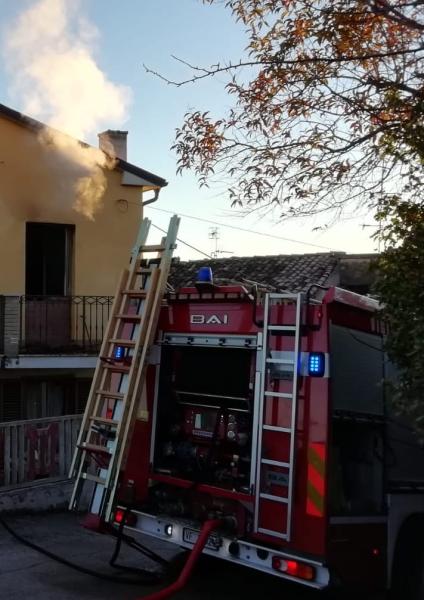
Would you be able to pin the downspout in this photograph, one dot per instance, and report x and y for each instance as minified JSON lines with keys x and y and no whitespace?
{"x":155,"y":197}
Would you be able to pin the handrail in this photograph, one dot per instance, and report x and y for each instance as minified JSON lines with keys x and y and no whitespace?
{"x":37,"y":449}
{"x":62,"y":324}
{"x":4,"y":424}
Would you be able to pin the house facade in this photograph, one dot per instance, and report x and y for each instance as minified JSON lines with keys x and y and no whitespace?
{"x":58,"y":266}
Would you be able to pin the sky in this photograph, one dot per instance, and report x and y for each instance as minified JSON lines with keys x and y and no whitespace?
{"x":124,"y":36}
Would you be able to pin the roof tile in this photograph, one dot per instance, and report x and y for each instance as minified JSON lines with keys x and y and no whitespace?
{"x":291,"y":273}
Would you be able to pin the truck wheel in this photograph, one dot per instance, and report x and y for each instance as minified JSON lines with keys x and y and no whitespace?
{"x":408,"y":566}
{"x":412,"y":580}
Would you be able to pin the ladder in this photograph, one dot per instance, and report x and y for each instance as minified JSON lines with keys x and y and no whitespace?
{"x":114,"y":399}
{"x":275,"y":506}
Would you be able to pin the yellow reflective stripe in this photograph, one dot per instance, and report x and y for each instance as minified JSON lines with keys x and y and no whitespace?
{"x":315,"y":497}
{"x":315,"y":460}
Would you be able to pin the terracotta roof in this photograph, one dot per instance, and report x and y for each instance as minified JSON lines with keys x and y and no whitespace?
{"x":292,"y":273}
{"x":30,"y":123}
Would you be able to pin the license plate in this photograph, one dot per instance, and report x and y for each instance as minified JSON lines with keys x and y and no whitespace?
{"x":191,"y":535}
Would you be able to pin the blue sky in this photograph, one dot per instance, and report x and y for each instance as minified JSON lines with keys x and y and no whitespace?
{"x":133,"y":32}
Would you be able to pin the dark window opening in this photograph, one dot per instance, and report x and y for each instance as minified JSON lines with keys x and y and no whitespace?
{"x":81,"y":396}
{"x":48,"y":259}
{"x":33,"y":398}
{"x":10,"y":401}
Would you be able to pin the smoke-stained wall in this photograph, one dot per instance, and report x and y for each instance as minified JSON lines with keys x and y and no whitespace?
{"x":39,"y":183}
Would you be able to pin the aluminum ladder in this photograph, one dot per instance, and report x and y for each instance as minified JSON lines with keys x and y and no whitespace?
{"x":116,"y":391}
{"x":284,"y":437}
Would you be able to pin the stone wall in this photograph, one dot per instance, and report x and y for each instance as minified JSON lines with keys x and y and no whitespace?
{"x":40,"y":497}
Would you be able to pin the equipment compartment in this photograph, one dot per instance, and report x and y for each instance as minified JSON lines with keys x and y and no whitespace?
{"x":204,"y":415}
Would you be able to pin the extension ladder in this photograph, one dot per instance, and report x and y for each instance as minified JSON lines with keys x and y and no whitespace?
{"x":117,"y":386}
{"x":275,"y":454}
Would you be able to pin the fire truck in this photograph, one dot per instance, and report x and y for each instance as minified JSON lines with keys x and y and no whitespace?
{"x":263,"y":413}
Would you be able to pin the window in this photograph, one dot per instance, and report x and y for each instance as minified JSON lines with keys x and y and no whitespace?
{"x":48,"y":259}
{"x":10,"y":401}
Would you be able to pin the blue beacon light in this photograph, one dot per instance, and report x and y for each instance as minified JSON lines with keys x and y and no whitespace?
{"x":316,"y":364}
{"x":119,"y":353}
{"x":205,"y":275}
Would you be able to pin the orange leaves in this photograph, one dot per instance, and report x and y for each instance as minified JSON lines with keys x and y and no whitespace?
{"x":302,"y":27}
{"x":354,"y":32}
{"x":326,"y":91}
{"x":384,"y":116}
{"x":402,"y":114}
{"x":198,"y":142}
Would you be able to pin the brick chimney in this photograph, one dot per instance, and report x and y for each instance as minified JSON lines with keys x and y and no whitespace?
{"x":114,"y":143}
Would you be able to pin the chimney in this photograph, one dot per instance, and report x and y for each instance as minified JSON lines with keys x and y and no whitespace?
{"x":114,"y":143}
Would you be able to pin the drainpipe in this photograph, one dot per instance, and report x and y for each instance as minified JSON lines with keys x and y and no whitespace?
{"x":155,"y":197}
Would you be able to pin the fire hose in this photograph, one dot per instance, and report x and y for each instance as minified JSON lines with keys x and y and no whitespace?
{"x":144,"y":577}
{"x":185,"y":574}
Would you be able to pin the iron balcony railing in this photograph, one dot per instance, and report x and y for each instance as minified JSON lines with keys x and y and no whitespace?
{"x":2,"y":320}
{"x":62,"y":324}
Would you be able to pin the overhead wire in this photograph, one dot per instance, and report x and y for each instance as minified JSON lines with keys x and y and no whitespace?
{"x":245,"y":230}
{"x":183,"y":242}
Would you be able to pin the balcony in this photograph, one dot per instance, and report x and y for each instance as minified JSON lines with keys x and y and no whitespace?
{"x":53,"y":324}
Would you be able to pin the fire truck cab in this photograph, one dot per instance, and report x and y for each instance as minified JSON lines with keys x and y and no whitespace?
{"x":269,"y":410}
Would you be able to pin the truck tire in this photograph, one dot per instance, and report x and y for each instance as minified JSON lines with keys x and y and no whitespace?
{"x":408,"y":564}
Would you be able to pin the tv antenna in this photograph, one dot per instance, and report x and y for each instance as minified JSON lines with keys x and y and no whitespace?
{"x":214,"y":236}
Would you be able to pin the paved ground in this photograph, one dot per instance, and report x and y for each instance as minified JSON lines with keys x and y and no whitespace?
{"x":25,"y":573}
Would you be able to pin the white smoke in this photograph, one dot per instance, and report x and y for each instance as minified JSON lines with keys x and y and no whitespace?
{"x":49,"y":52}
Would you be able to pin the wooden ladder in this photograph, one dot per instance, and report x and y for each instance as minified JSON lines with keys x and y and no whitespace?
{"x":118,"y":381}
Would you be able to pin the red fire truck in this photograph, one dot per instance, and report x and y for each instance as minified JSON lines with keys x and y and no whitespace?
{"x":268,"y":412}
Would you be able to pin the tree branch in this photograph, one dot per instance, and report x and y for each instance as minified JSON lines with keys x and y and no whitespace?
{"x":384,"y":85}
{"x":383,"y":7}
{"x":275,"y":62}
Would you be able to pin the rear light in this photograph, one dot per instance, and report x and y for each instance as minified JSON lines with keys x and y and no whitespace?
{"x":300,"y":570}
{"x":121,"y":514}
{"x":293,"y":568}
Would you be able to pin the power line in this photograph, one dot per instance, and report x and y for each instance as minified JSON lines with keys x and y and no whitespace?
{"x":269,"y":235}
{"x":185,"y":243}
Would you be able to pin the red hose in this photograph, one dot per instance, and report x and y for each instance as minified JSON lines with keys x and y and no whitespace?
{"x":208,"y":527}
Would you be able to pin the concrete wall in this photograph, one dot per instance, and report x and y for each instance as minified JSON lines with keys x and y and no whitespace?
{"x":38,"y":184}
{"x":40,"y":497}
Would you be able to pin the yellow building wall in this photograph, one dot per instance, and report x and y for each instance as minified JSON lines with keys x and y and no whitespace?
{"x":37,"y":185}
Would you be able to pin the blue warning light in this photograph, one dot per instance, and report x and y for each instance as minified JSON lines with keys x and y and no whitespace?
{"x":205,"y":275}
{"x":119,"y":353}
{"x":316,"y":364}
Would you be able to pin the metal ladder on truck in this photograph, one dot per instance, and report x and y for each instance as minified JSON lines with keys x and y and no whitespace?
{"x":271,"y":506}
{"x":115,"y":395}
